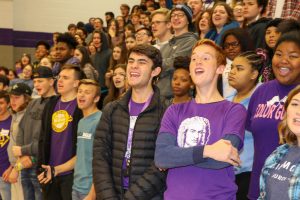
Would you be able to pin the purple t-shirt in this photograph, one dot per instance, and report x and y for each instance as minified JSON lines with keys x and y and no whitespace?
{"x":265,"y":111}
{"x":61,"y":136}
{"x":134,"y":111}
{"x":4,"y":140}
{"x":196,"y":124}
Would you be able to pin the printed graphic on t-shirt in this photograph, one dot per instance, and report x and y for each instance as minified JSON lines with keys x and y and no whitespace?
{"x":194,"y":131}
{"x":273,"y":109}
{"x":130,"y":133}
{"x":284,"y":169}
{"x":87,"y":136}
{"x":4,"y":137}
{"x":60,"y":120}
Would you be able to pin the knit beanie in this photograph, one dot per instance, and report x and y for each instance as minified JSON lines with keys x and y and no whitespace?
{"x":186,"y":9}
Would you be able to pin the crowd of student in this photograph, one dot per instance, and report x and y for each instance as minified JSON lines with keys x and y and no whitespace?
{"x":190,"y":97}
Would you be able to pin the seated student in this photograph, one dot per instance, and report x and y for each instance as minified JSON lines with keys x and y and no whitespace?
{"x":280,"y":174}
{"x":26,"y":77}
{"x":181,"y":80}
{"x":243,"y":77}
{"x":198,"y":140}
{"x":5,"y":166}
{"x":222,"y":20}
{"x":87,"y":97}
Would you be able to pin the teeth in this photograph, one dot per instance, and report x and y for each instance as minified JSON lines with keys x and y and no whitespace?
{"x":284,"y":70}
{"x":134,"y":74}
{"x":198,"y":70}
{"x":297,"y":120}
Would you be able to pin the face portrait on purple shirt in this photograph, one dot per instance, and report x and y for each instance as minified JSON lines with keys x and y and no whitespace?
{"x":194,"y":131}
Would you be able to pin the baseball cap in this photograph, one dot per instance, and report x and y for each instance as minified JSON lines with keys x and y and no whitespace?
{"x":20,"y":89}
{"x":42,"y":72}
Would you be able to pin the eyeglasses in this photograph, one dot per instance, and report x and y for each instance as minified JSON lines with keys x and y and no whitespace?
{"x":232,"y":44}
{"x":179,"y":15}
{"x":157,"y":22}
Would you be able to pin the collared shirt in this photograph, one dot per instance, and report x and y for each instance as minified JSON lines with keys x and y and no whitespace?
{"x":271,"y":162}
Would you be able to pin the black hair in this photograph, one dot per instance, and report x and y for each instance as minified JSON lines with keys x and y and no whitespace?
{"x":292,"y":36}
{"x":83,"y":30}
{"x":80,"y":24}
{"x":288,"y":25}
{"x":5,"y":69}
{"x":85,"y":55}
{"x":110,"y":14}
{"x":43,"y":43}
{"x":4,"y":95}
{"x":149,"y":33}
{"x":68,"y":39}
{"x":4,"y":80}
{"x":71,"y":26}
{"x":182,"y":62}
{"x":242,"y":36}
{"x":151,"y":52}
{"x":263,"y":4}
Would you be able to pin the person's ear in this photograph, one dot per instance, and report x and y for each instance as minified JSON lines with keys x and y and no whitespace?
{"x":220,"y":69}
{"x":156,"y":71}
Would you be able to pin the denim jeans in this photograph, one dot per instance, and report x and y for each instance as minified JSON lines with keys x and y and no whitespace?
{"x":31,"y":186}
{"x":77,"y":195}
{"x":5,"y":190}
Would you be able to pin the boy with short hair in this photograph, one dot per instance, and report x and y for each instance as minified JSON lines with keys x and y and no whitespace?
{"x":57,"y":143}
{"x":88,"y":96}
{"x":29,"y":131}
{"x":198,"y":140}
{"x":124,"y":144}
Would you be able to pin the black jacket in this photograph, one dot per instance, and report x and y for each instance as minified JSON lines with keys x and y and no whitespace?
{"x":257,"y":31}
{"x":146,"y":181}
{"x":45,"y":137}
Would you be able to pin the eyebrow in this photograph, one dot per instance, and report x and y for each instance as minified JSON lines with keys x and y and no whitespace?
{"x":298,"y":100}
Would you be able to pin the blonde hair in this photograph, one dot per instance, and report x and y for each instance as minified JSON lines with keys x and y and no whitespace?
{"x":285,"y":134}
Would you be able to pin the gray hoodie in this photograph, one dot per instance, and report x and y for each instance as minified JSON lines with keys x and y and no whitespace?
{"x":177,"y":46}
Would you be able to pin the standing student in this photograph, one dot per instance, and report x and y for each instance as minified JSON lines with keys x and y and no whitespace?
{"x":124,"y":143}
{"x":29,"y":131}
{"x":57,"y":143}
{"x":243,"y":77}
{"x":280,"y":174}
{"x":87,"y":97}
{"x":20,"y":96}
{"x":266,"y":107}
{"x":182,"y":83}
{"x":198,"y":140}
{"x":5,"y":166}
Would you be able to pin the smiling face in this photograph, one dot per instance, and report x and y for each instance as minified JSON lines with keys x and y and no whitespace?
{"x":219,"y":16}
{"x":204,"y":25}
{"x":119,"y":76}
{"x":139,"y":70}
{"x":286,"y":63}
{"x":293,"y":116}
{"x":179,"y":21}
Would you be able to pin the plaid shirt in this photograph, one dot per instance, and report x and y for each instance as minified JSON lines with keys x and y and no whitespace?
{"x":271,"y":162}
{"x":291,"y":9}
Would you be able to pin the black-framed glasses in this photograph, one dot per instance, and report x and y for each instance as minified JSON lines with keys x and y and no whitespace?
{"x":231,"y":44}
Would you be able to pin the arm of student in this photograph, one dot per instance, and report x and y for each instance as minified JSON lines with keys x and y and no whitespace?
{"x":67,"y":166}
{"x":222,"y":153}
{"x":148,"y":185}
{"x":102,"y":174}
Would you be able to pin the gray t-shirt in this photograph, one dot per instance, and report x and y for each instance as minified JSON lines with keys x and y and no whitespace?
{"x":277,"y":182}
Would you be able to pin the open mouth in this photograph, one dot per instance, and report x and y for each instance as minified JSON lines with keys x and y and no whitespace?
{"x":283,"y":71}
